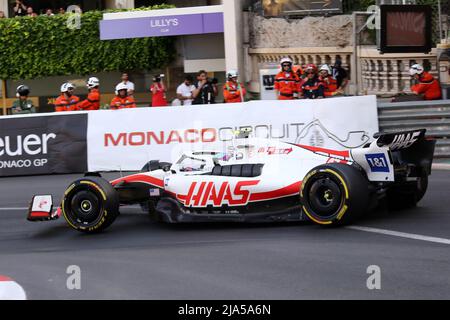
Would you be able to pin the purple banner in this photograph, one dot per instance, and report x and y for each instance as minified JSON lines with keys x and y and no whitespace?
{"x":161,"y":26}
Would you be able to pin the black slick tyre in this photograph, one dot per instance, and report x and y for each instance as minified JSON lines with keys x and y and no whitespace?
{"x":90,"y":205}
{"x":334,"y":194}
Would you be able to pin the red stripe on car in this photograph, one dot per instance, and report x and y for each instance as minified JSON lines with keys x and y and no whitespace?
{"x":280,"y":193}
{"x":140,"y":178}
{"x":345,"y":153}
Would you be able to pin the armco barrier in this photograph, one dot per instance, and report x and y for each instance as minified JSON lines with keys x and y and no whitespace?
{"x":432,"y":115}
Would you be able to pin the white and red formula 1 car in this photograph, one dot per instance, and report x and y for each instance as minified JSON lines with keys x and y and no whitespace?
{"x":256,"y":180}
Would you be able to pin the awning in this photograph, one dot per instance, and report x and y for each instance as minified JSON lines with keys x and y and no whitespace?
{"x":162,"y":23}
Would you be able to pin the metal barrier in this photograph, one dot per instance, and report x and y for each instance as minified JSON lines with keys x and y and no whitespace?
{"x":432,"y":115}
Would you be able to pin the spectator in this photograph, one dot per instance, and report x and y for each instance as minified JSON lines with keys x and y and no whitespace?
{"x":20,"y":9}
{"x":67,"y":101}
{"x":30,"y":12}
{"x":92,"y":102}
{"x":206,"y":89}
{"x":2,"y":15}
{"x":312,"y":87}
{"x":427,"y":85}
{"x":330,"y":84}
{"x":341,"y":76}
{"x":23,"y":105}
{"x":49,"y":13}
{"x":130,"y":85}
{"x":158,"y":90}
{"x":61,"y":11}
{"x":287,"y":83}
{"x":233,"y":91}
{"x":185,"y":91}
{"x":122,"y":100}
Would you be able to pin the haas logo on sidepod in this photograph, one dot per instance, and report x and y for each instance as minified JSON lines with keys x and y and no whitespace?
{"x":202,"y":194}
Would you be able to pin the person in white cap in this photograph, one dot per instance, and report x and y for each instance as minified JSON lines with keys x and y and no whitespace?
{"x":427,"y":85}
{"x":67,"y":101}
{"x":233,"y":90}
{"x":287,"y":83}
{"x":92,"y":102}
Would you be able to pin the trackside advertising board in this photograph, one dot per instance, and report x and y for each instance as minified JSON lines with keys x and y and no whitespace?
{"x":33,"y":144}
{"x":127,"y":139}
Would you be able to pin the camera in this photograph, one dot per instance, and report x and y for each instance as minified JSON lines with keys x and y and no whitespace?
{"x":212,"y":81}
{"x":158,"y":78}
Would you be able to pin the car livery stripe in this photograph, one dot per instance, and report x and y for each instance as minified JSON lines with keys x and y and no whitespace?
{"x":344,"y":153}
{"x":38,"y":214}
{"x":140,"y":178}
{"x":291,"y":190}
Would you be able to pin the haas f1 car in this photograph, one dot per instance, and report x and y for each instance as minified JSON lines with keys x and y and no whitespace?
{"x":256,"y":180}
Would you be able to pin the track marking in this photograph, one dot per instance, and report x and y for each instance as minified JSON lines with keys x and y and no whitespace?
{"x":13,"y":209}
{"x":11,"y":290}
{"x":401,"y":234}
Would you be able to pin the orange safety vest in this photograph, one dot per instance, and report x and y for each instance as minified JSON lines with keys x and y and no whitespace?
{"x":428,"y":86}
{"x":92,"y":102}
{"x":287,"y":83}
{"x":330,"y":85}
{"x":63,"y":104}
{"x":122,"y":103}
{"x":232,"y":92}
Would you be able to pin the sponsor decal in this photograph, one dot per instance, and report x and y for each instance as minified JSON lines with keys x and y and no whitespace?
{"x":43,"y":145}
{"x":202,"y":194}
{"x":403,"y":141}
{"x":377,"y":162}
{"x":275,"y":151}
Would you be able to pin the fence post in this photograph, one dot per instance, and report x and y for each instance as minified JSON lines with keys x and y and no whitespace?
{"x":4,"y":97}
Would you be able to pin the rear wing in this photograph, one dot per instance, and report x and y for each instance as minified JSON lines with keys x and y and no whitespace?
{"x":409,"y":148}
{"x":391,"y":153}
{"x":399,"y":140}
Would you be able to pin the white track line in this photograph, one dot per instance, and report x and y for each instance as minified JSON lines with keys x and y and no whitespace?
{"x":401,"y":234}
{"x":13,"y":209}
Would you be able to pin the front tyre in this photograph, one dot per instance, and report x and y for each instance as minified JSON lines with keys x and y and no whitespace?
{"x":90,"y":205}
{"x":334,"y":194}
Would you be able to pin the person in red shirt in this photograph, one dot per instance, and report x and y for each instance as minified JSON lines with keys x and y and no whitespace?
{"x":427,"y":85}
{"x":312,"y":86}
{"x":329,"y":83}
{"x":93,"y":99}
{"x":122,"y":99}
{"x":158,"y":90}
{"x":67,"y":101}
{"x":233,"y":91}
{"x":287,"y":83}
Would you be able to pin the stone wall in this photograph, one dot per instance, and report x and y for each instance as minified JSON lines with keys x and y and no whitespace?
{"x":335,"y":31}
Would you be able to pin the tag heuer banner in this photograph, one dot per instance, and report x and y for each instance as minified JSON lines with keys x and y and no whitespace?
{"x":43,"y":144}
{"x":274,"y":8}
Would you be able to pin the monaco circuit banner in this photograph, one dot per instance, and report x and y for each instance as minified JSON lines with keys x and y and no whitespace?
{"x":127,"y":139}
{"x":50,"y":144}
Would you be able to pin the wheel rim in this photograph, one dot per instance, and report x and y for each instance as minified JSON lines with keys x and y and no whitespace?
{"x":85,"y":206}
{"x":325,"y":197}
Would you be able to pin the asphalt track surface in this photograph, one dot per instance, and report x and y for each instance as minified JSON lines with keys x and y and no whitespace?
{"x":140,"y":259}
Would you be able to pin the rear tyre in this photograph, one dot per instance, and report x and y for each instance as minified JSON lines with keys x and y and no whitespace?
{"x":334,"y":194}
{"x":90,"y":205}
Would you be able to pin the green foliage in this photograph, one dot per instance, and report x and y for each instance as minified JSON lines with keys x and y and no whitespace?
{"x":357,"y":5}
{"x":44,"y":46}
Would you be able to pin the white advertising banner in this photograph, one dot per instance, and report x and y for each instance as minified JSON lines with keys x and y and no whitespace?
{"x":128,"y":139}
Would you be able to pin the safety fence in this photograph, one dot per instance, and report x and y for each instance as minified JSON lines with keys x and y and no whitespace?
{"x":432,"y":115}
